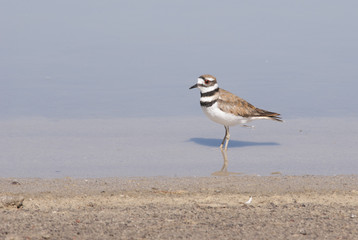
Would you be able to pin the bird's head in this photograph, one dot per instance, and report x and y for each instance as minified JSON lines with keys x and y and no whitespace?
{"x":206,"y":83}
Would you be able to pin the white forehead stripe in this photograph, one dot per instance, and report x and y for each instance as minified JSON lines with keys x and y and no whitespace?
{"x":200,"y":81}
{"x":210,"y":78}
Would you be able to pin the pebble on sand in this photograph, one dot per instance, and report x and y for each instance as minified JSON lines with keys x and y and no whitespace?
{"x":11,"y":201}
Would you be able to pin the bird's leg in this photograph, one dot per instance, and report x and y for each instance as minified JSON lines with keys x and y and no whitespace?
{"x":222,"y":143}
{"x":227,"y":136}
{"x":224,"y":167}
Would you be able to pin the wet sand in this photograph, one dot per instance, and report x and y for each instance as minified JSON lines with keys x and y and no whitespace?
{"x":282,"y":207}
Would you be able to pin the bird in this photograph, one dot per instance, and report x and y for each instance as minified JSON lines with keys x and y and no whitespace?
{"x":227,"y":109}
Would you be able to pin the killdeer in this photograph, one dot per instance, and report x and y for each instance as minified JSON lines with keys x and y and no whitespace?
{"x":226,"y":108}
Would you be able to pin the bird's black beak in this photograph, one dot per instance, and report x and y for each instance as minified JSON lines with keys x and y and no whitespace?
{"x":194,"y":86}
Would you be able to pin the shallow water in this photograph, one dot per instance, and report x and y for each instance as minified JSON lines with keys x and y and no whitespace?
{"x":101,"y":88}
{"x":175,"y":147}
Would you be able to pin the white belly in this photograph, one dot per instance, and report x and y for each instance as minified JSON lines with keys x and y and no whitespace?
{"x":226,"y":119}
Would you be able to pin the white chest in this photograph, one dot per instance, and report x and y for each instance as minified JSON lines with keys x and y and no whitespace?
{"x":226,"y":119}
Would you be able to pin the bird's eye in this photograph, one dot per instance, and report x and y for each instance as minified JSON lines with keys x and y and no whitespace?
{"x":207,"y":81}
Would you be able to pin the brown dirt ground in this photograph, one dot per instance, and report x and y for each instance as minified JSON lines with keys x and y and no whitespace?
{"x":282,"y":207}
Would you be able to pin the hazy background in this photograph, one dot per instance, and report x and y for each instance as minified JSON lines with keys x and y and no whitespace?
{"x":101,"y":88}
{"x":84,"y":59}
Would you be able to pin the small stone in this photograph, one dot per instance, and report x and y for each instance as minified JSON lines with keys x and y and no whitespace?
{"x":45,"y":235}
{"x":15,"y":183}
{"x":303,"y":232}
{"x":11,"y":201}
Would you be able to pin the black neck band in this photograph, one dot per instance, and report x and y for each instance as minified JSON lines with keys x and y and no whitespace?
{"x":209,"y":94}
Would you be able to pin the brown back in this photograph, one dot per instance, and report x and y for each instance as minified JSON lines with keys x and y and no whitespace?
{"x":231,"y":103}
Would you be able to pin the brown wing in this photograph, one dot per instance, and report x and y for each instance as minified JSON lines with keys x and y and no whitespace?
{"x":231,"y":103}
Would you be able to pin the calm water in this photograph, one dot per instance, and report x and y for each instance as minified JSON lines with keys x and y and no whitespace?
{"x":174,"y":147}
{"x":127,"y":58}
{"x":64,"y":64}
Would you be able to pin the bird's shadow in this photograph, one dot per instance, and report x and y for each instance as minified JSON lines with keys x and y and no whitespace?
{"x":215,"y":142}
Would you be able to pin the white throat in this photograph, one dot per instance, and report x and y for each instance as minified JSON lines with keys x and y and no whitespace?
{"x":208,"y":89}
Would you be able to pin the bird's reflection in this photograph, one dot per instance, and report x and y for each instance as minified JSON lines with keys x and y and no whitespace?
{"x":212,"y":142}
{"x":223,"y":171}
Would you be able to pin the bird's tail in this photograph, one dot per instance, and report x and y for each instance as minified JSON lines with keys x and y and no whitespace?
{"x":270,"y":115}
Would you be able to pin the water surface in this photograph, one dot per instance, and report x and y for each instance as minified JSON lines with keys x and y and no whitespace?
{"x":100,"y":88}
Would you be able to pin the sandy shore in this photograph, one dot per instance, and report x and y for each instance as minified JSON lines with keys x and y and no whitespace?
{"x":282,"y":207}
